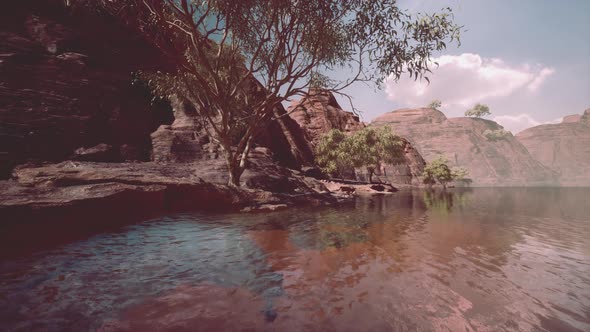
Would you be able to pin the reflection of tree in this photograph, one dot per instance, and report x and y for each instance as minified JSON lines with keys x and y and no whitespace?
{"x":458,"y":240}
{"x":444,"y":201}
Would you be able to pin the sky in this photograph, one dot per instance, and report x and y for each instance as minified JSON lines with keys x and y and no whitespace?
{"x":528,"y":60}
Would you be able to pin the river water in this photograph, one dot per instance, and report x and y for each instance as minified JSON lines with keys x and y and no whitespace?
{"x":504,"y":259}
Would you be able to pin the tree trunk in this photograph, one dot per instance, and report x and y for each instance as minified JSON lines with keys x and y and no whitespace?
{"x":370,"y":176}
{"x":235,"y":172}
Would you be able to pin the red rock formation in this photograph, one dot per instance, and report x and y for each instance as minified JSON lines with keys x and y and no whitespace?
{"x":461,"y":140}
{"x":186,"y":139}
{"x":319,"y":112}
{"x":66,"y":84}
{"x":563,"y":147}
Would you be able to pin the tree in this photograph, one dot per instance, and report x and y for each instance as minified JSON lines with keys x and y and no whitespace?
{"x":478,"y":111}
{"x":439,"y":171}
{"x":459,"y":173}
{"x":435,"y":104}
{"x":368,"y":148}
{"x":330,"y":154}
{"x":237,"y":61}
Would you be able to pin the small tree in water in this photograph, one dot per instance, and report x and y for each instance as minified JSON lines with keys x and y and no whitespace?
{"x":237,"y":61}
{"x":439,"y":171}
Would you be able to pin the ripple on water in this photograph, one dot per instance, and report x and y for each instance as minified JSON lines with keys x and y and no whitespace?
{"x":485,"y":260}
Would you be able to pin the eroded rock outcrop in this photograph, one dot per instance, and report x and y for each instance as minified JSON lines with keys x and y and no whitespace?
{"x":319,"y":112}
{"x":187,"y":140}
{"x":461,"y":140}
{"x":67,"y":87}
{"x":563,"y":147}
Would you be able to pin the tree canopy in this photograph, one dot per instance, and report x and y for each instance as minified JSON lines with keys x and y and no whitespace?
{"x":330,"y":155}
{"x":439,"y":171}
{"x":237,"y":61}
{"x":478,"y":111}
{"x":435,"y":104}
{"x":369,"y":148}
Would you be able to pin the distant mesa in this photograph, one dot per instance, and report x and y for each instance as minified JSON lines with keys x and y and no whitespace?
{"x":466,"y":142}
{"x":563,"y":147}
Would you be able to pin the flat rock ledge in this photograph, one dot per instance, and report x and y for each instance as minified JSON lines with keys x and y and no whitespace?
{"x":146,"y":187}
{"x":77,"y":198}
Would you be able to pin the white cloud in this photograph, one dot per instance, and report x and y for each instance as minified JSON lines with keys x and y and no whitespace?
{"x":538,"y":81}
{"x":519,"y":122}
{"x":463,"y":80}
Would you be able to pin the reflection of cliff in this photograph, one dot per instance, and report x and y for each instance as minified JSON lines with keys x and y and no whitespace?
{"x":436,"y":262}
{"x":395,"y":258}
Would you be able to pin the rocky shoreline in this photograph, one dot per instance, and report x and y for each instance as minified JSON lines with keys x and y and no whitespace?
{"x":59,"y":202}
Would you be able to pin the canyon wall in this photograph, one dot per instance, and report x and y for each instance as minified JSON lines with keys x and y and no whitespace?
{"x":563,"y":147}
{"x":491,"y":162}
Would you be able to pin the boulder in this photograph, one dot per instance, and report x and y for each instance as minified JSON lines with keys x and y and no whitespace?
{"x":463,"y":143}
{"x":563,"y":147}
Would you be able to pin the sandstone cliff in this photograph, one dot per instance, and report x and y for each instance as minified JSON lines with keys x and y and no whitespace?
{"x":319,"y":112}
{"x":66,"y":92}
{"x":66,"y":84}
{"x":187,"y":140}
{"x":563,"y":147}
{"x":490,"y":162}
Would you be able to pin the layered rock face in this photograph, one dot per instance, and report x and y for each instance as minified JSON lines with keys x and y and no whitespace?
{"x":67,"y":93}
{"x":187,"y":140}
{"x":66,"y":84}
{"x":563,"y":147}
{"x":461,"y":140}
{"x":319,"y":112}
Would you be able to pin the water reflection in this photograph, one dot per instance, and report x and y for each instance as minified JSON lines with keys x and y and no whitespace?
{"x":481,"y":259}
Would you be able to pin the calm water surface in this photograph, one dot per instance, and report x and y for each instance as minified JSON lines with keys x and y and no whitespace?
{"x":479,"y":260}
